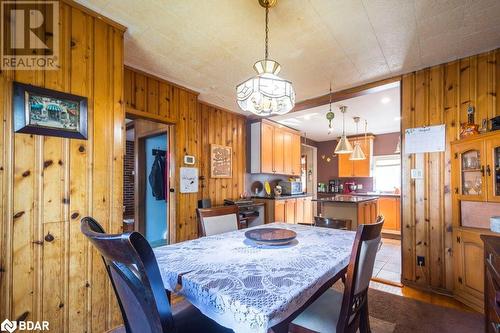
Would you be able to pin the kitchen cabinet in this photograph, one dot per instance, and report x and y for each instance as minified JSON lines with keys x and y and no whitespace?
{"x":491,"y":283}
{"x":279,"y":210}
{"x":367,"y":212}
{"x":475,"y":176}
{"x":289,"y":210}
{"x":361,"y":168}
{"x":274,"y":148}
{"x":308,"y":211}
{"x":468,"y":272}
{"x":267,"y":148}
{"x":389,"y":207}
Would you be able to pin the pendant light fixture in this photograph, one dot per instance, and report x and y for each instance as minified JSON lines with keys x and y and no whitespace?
{"x":330,"y":115}
{"x":357,"y":154}
{"x":398,"y":146}
{"x":344,"y":146}
{"x":266,"y":93}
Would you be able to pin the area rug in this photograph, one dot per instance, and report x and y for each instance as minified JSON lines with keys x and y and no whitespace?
{"x":391,"y":313}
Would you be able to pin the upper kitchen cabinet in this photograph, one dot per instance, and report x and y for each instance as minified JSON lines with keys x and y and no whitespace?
{"x":476,"y":168}
{"x":274,"y":148}
{"x":360,"y":168}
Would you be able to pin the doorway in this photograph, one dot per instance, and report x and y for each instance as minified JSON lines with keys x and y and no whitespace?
{"x":147,"y":179}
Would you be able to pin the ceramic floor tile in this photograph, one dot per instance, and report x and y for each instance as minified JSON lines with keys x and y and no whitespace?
{"x":387,"y":275}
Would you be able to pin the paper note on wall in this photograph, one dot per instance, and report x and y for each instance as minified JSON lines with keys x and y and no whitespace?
{"x":425,"y":139}
{"x":189,"y":180}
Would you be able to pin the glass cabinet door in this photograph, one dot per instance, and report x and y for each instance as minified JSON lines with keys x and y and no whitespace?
{"x":471,"y":182}
{"x":493,"y":169}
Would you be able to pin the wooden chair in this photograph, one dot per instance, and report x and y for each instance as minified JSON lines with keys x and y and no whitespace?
{"x":345,"y":313}
{"x":136,"y":280}
{"x":327,"y":222}
{"x":217,"y":220}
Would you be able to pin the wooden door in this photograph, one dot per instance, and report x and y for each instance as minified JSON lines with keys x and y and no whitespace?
{"x":345,"y":165}
{"x":279,"y":211}
{"x":287,"y":153}
{"x":290,"y":211}
{"x":278,"y":151}
{"x":493,"y":169}
{"x":469,"y":171}
{"x":388,"y":208}
{"x":266,"y":148}
{"x":470,"y":276}
{"x":296,"y":154}
{"x":362,"y":168}
{"x":308,"y":210}
{"x":299,"y":210}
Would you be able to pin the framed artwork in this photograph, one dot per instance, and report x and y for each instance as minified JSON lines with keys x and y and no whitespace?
{"x":47,"y":112}
{"x":221,"y":161}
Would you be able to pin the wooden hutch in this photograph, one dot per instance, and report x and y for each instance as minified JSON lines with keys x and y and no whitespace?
{"x":475,"y":197}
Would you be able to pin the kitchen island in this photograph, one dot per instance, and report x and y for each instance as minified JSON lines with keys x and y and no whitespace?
{"x":358,"y":209}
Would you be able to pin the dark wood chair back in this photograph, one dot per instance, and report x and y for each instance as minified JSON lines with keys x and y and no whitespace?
{"x":217,"y":220}
{"x":135,"y":277}
{"x":327,"y":222}
{"x":354,"y":311}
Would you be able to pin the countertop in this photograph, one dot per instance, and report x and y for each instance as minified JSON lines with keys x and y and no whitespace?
{"x":283,"y":197}
{"x":342,"y":198}
{"x":364,"y":194}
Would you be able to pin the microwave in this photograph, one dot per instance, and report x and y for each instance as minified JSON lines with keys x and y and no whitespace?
{"x":291,"y":188}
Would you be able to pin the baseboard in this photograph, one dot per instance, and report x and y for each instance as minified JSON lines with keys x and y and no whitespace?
{"x":415,"y":285}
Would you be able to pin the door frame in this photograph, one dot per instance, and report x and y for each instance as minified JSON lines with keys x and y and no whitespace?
{"x":169,"y":130}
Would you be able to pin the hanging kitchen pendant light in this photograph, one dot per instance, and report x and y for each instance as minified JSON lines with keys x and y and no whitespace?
{"x":357,"y":153}
{"x":266,"y":93}
{"x":398,"y":146}
{"x":344,"y":146}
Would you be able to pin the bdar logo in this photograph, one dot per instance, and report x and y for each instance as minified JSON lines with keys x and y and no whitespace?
{"x":8,"y":326}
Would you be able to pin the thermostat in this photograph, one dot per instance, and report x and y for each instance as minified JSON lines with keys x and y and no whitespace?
{"x":188,"y":159}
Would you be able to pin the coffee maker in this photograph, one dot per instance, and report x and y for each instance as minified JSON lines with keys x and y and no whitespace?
{"x":349,"y":187}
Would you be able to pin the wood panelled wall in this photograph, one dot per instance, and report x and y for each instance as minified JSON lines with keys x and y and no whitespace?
{"x":439,"y":95}
{"x":48,"y":184}
{"x":196,"y":125}
{"x":227,"y":129}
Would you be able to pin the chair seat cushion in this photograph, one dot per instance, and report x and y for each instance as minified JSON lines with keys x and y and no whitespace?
{"x":322,"y":315}
{"x":188,"y":319}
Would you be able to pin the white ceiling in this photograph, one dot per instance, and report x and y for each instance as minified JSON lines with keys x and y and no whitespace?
{"x":381,"y":110}
{"x":211,"y":45}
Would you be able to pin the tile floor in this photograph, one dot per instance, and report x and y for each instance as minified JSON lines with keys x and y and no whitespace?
{"x":388,"y":261}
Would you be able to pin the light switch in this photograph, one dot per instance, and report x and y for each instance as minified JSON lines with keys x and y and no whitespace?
{"x":417,"y":174}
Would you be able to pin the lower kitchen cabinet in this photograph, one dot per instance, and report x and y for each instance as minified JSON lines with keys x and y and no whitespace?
{"x":469,"y":259}
{"x":389,"y":207}
{"x":367,"y":212}
{"x":293,"y":210}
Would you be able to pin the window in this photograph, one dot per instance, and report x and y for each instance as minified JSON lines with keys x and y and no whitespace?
{"x":387,"y":173}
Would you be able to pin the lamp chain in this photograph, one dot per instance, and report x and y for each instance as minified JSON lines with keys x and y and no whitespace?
{"x":330,"y":96}
{"x":267,"y":31}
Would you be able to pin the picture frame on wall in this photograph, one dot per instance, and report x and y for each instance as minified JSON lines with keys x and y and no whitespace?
{"x":48,"y":112}
{"x":221,"y":161}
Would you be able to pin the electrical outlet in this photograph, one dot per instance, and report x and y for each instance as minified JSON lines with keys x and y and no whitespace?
{"x":420,"y":261}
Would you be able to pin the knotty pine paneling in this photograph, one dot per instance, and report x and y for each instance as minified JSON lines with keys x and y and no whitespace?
{"x":48,"y":184}
{"x":432,"y":96}
{"x":227,"y":129}
{"x":196,"y":126}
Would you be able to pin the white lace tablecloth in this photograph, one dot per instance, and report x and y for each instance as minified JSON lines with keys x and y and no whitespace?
{"x":250,"y":288}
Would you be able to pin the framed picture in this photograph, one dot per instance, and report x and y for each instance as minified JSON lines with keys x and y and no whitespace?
{"x":221,"y":161}
{"x":47,"y":112}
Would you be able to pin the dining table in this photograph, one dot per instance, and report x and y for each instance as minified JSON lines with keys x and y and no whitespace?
{"x":251,"y":287}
